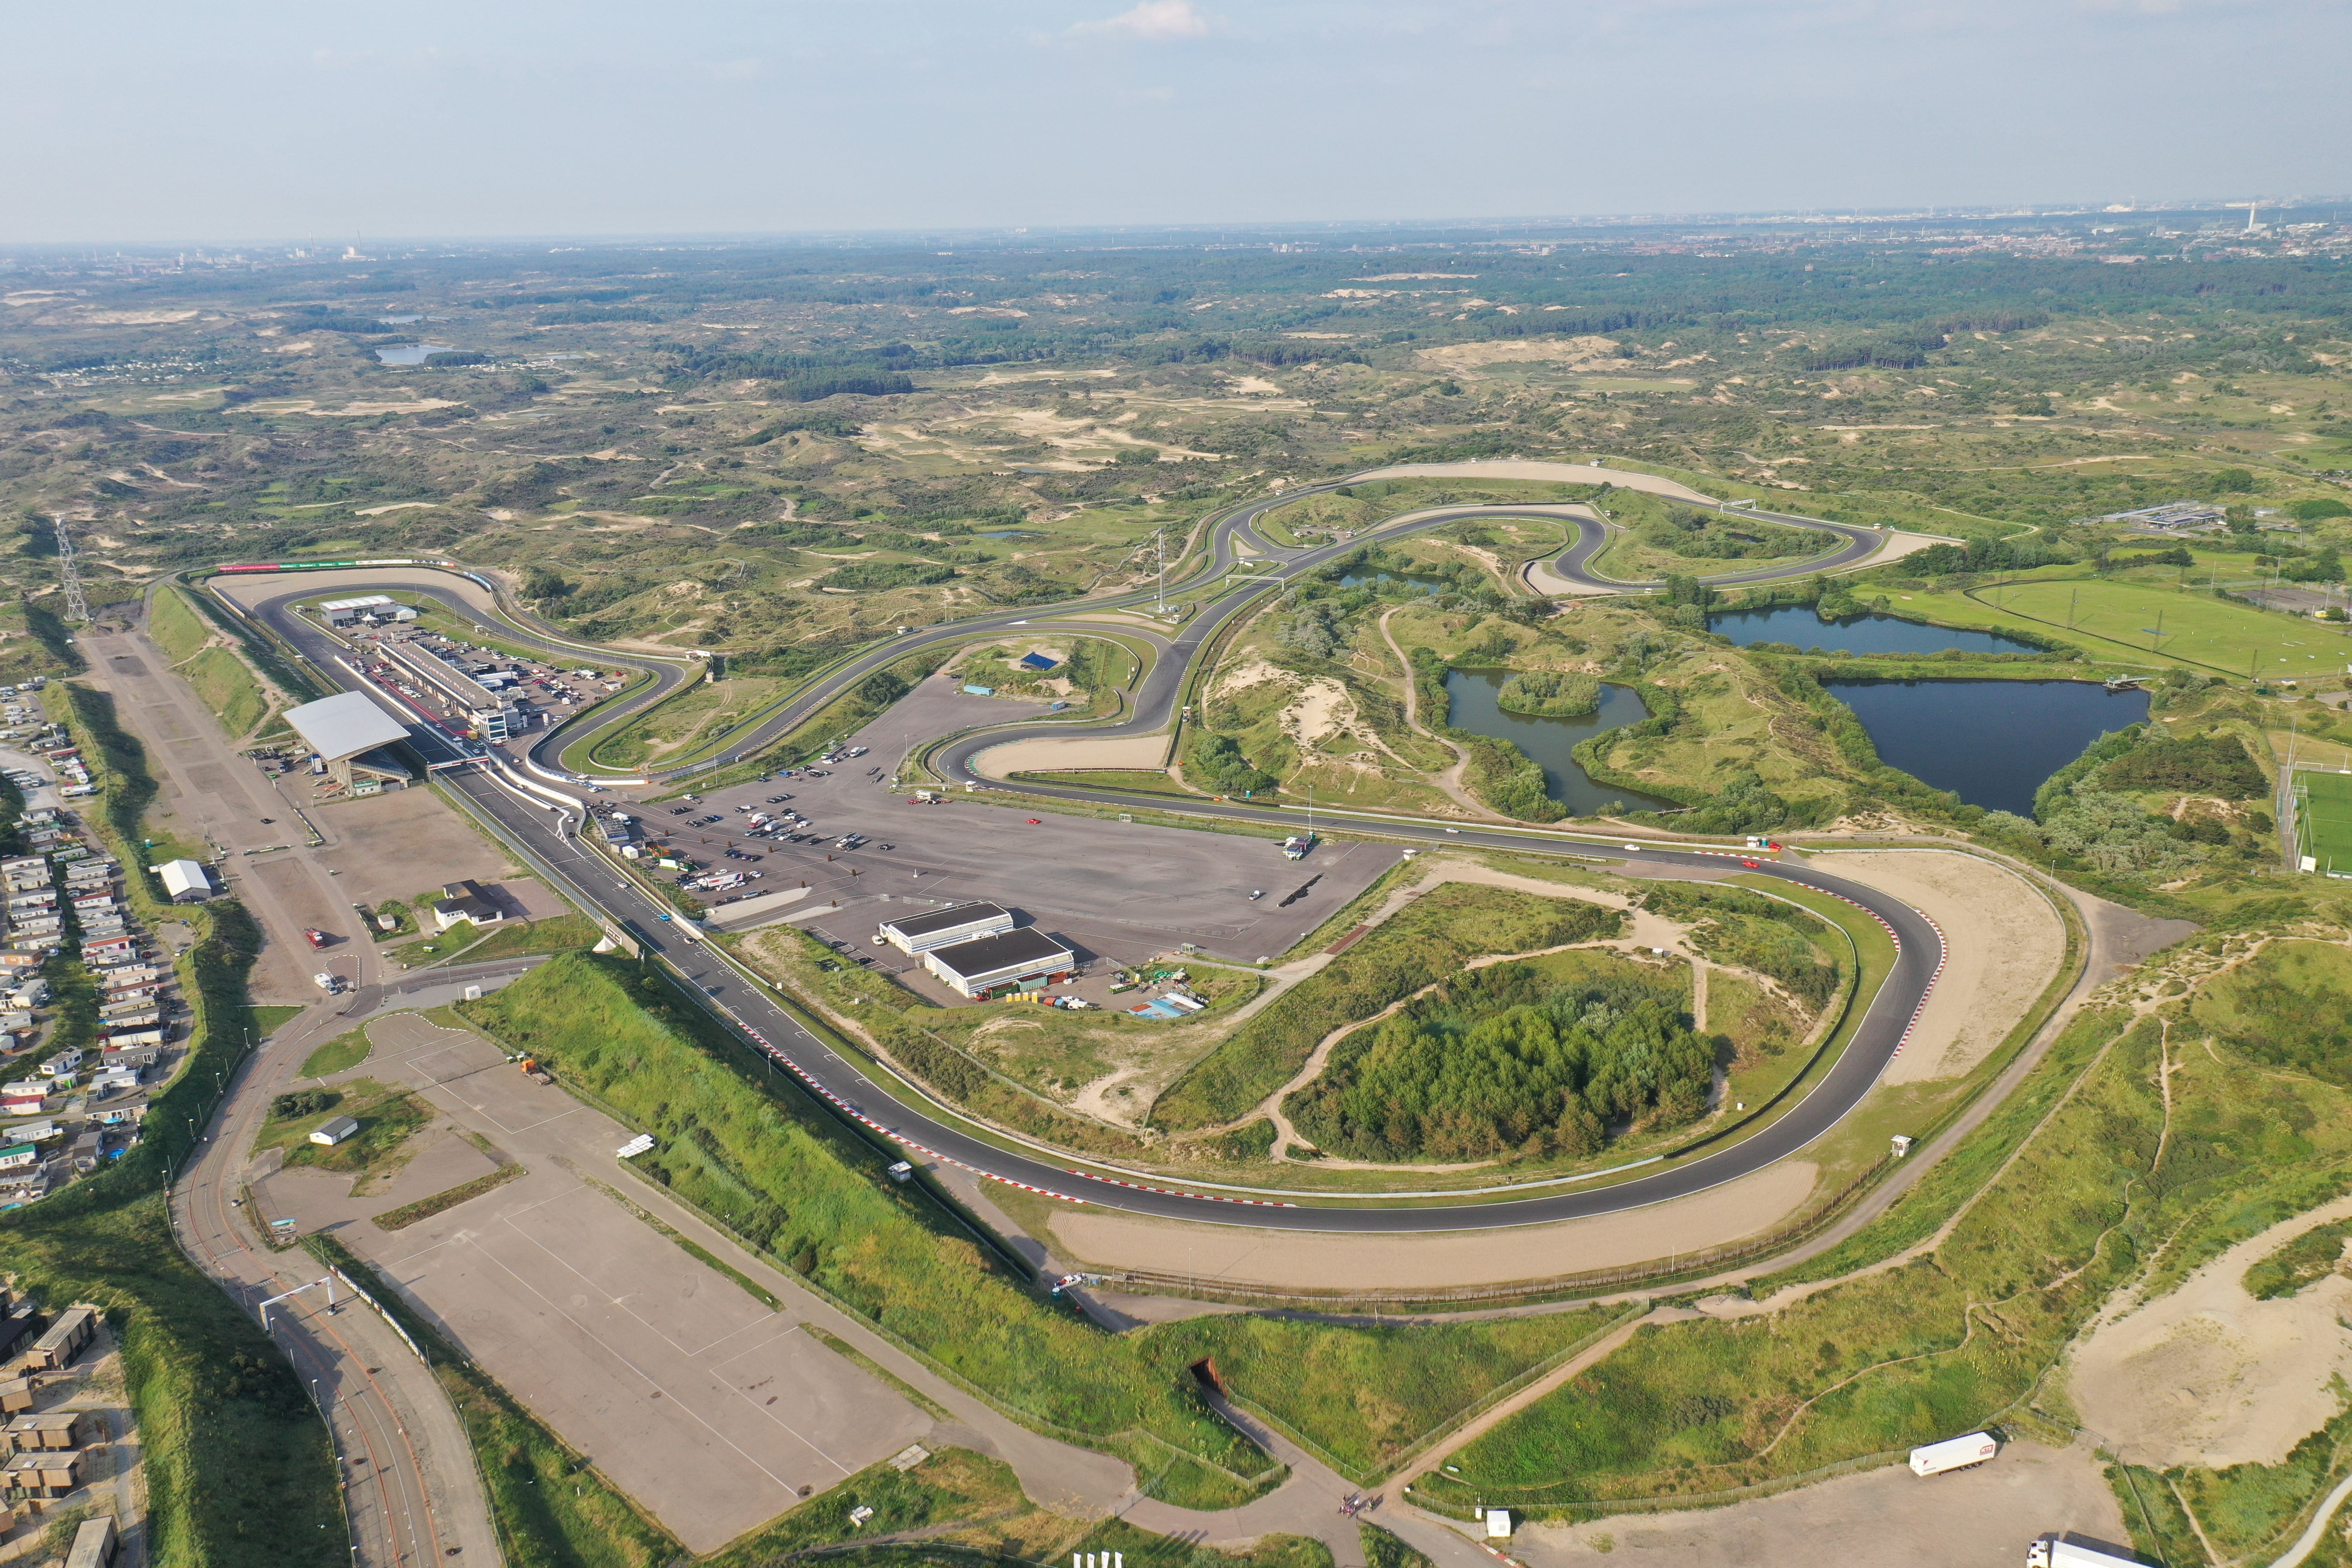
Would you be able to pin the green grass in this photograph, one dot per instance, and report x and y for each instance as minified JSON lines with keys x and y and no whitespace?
{"x":404,"y":921}
{"x":264,"y":1021}
{"x":551,"y":1507}
{"x":386,"y":1118}
{"x":2115,"y":618}
{"x":229,"y":688}
{"x":2300,"y":1263}
{"x":952,"y":1484}
{"x":2324,"y":813}
{"x":345,"y":1050}
{"x":559,"y":934}
{"x":441,"y":1202}
{"x":176,"y":626}
{"x":758,"y":1159}
{"x":2286,"y":1007}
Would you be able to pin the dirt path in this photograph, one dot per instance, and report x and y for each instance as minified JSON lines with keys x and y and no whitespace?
{"x":1449,"y":780}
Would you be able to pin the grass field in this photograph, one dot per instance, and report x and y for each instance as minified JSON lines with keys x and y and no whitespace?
{"x":229,"y":688}
{"x":2322,"y":810}
{"x":2116,"y":619}
{"x":175,"y":625}
{"x":345,"y":1050}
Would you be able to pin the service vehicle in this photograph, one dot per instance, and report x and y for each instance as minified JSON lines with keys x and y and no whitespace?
{"x":314,"y":937}
{"x":1954,"y":1453}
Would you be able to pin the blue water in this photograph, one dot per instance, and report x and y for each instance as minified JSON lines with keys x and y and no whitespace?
{"x":410,"y":354}
{"x":1474,"y":707}
{"x":1412,"y":581}
{"x":1799,"y":626}
{"x":1991,"y":742}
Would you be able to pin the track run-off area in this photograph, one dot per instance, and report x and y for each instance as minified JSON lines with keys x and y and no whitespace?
{"x":534,"y":804}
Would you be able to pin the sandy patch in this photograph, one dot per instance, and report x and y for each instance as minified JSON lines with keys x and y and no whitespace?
{"x":2208,"y":1375}
{"x":1531,"y":469}
{"x":360,"y":410}
{"x":1249,"y":673}
{"x":1322,"y":711}
{"x":1522,"y":351}
{"x":2003,"y":941}
{"x":395,"y":506}
{"x":1057,"y":754}
{"x":135,"y":318}
{"x":1342,"y":1261}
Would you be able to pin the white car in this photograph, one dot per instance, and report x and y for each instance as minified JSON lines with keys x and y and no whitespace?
{"x":330,"y":983}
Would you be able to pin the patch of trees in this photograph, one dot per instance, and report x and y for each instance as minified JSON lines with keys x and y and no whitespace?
{"x":1550,"y":693}
{"x":866,"y":576}
{"x":1733,"y":926}
{"x":1714,"y":536}
{"x":1508,"y":1059}
{"x":1219,"y":760}
{"x":2217,"y":765}
{"x":1984,"y":554}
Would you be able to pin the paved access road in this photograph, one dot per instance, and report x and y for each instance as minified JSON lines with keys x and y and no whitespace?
{"x":547,"y":834}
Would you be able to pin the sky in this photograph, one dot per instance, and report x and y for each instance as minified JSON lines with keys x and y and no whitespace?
{"x":246,"y":120}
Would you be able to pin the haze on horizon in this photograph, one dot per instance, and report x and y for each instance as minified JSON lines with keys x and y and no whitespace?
{"x":260,"y":119}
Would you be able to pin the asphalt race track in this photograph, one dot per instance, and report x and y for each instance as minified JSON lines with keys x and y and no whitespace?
{"x":543,"y":823}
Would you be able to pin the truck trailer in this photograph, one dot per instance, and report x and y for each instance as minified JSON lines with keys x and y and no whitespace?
{"x":2056,"y":1551}
{"x":1953,"y":1454}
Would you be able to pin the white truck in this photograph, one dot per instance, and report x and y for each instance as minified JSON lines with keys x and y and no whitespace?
{"x":1954,"y":1453}
{"x":2056,"y":1551}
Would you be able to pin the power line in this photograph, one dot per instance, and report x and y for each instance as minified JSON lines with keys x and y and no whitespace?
{"x":77,"y":609}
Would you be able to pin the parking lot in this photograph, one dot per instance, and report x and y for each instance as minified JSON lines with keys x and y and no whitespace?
{"x":710,"y":1408}
{"x":1119,"y":890}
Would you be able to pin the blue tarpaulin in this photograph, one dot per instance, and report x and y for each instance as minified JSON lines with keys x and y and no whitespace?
{"x":1037,"y":661}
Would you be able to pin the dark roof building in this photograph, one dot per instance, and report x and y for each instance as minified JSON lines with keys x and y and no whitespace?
{"x":946,"y":925}
{"x":1022,"y":960}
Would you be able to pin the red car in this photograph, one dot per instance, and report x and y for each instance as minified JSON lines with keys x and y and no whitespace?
{"x":1035,"y":823}
{"x":1752,"y":865}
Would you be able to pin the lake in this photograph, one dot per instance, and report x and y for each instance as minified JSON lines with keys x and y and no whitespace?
{"x":1414,"y":581}
{"x":1474,"y":707}
{"x":1799,"y":626}
{"x":1991,"y":742}
{"x":411,"y":353}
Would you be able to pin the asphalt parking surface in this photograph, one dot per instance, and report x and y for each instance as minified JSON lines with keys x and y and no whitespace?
{"x":698,"y":1400}
{"x":1121,"y":890}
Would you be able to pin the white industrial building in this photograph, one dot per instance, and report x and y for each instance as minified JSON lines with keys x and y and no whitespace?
{"x":184,"y":882}
{"x":372,"y":607}
{"x":950,"y":923}
{"x":1023,"y":959}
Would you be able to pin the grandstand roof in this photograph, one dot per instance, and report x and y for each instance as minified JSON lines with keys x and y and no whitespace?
{"x":345,"y":725}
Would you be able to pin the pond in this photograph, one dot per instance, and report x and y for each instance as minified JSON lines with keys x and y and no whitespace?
{"x":1412,"y":582}
{"x":1991,"y":742}
{"x":1474,"y":707}
{"x":411,"y":353}
{"x":1799,"y":626}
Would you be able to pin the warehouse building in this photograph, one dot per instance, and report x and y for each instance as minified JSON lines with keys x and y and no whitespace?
{"x":348,"y":733}
{"x":944,"y":926}
{"x":1023,"y":959}
{"x":186,"y":881}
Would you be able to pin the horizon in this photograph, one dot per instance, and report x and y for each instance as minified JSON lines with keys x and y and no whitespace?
{"x":526,"y":120}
